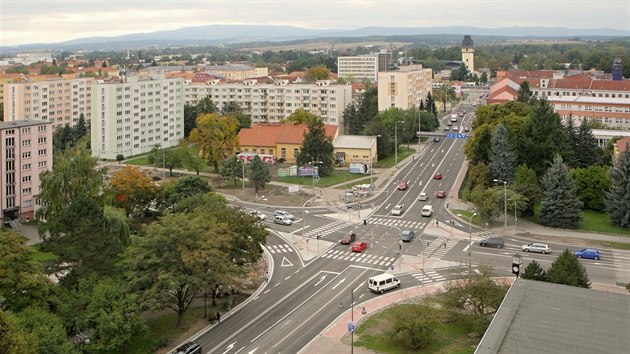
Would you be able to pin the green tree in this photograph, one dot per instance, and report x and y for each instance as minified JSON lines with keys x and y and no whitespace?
{"x":415,"y":324}
{"x":385,"y":146}
{"x":190,"y":118}
{"x":317,"y":148}
{"x":560,"y":206}
{"x":525,"y":183}
{"x":319,"y":72}
{"x":587,"y":152}
{"x":216,"y":137}
{"x":478,"y":294}
{"x":534,"y":271}
{"x":592,"y":183}
{"x":618,"y":198}
{"x":188,"y":186}
{"x":80,"y":129}
{"x":352,"y":124}
{"x":567,"y":270}
{"x":300,"y":116}
{"x":190,"y":156}
{"x":259,"y":174}
{"x":15,"y":338}
{"x":120,"y":158}
{"x":234,"y":109}
{"x":63,"y":137}
{"x":525,"y":94}
{"x":233,"y":169}
{"x":482,"y":148}
{"x":479,"y":175}
{"x":488,"y":201}
{"x":45,"y":331}
{"x":368,"y":106}
{"x":503,"y":157}
{"x":132,"y":189}
{"x":484,"y":78}
{"x":173,"y":158}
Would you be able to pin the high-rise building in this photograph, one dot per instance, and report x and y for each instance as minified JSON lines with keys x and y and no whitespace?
{"x":58,"y":101}
{"x":468,"y":53}
{"x":25,"y":152}
{"x":132,"y":116}
{"x":404,"y":88}
{"x":363,"y":66}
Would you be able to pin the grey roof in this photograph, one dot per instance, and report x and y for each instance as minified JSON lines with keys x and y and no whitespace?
{"x":467,"y":41}
{"x":22,"y":123}
{"x":354,"y":141}
{"x":539,"y":317}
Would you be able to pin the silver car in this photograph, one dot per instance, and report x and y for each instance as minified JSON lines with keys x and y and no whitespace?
{"x":284,"y":213}
{"x":536,"y":247}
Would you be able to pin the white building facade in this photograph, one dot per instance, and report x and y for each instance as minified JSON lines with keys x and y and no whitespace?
{"x":404,"y":88}
{"x":133,"y":116}
{"x":363,"y":66}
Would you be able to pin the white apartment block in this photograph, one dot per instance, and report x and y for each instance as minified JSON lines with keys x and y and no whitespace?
{"x":25,"y":152}
{"x":133,"y":116}
{"x":404,"y":88}
{"x":238,"y":72}
{"x":58,"y":101}
{"x":363,"y":66}
{"x":270,"y":103}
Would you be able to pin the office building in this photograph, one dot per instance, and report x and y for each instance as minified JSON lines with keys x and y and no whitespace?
{"x":363,"y":67}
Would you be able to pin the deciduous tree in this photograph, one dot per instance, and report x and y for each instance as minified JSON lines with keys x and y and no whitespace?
{"x":560,"y":206}
{"x":45,"y":331}
{"x":618,"y":198}
{"x":259,"y":174}
{"x":300,"y":116}
{"x":526,"y":183}
{"x":478,"y":294}
{"x":233,"y":169}
{"x":415,"y":324}
{"x":133,"y":190}
{"x":190,"y":156}
{"x":319,"y":72}
{"x":592,"y":183}
{"x":233,"y":109}
{"x":216,"y":137}
{"x":317,"y":148}
{"x":15,"y":338}
{"x":567,"y":270}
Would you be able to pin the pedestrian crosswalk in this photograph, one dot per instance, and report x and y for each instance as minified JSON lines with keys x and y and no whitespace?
{"x":281,"y":248}
{"x":484,"y":234}
{"x":327,"y":229}
{"x":439,"y":247}
{"x":346,"y":255}
{"x":402,"y":223}
{"x":428,"y":277}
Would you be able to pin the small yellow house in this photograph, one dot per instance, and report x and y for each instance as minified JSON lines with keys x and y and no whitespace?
{"x":355,"y":149}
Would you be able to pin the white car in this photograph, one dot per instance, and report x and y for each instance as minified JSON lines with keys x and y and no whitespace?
{"x":284,"y":213}
{"x":279,"y":219}
{"x":398,"y":210}
{"x":427,"y":210}
{"x":258,"y":214}
{"x":423,"y":196}
{"x":536,"y":247}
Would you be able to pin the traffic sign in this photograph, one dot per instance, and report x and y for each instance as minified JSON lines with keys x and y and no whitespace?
{"x":456,"y":136}
{"x":350,"y":326}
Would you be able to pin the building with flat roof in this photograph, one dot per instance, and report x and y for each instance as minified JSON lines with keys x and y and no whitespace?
{"x":355,"y":149}
{"x":404,"y":88}
{"x":25,"y":152}
{"x":362,"y":67}
{"x":132,"y":116}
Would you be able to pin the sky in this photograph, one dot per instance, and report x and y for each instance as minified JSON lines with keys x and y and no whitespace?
{"x":52,"y":21}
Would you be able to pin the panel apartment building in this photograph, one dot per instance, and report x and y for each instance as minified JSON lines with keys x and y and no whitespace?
{"x":269,"y":103}
{"x":404,"y":88}
{"x":363,"y":66}
{"x":57,"y":100}
{"x":131,"y":116}
{"x":25,"y":152}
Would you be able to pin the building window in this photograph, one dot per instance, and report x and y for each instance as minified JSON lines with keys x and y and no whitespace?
{"x":295,"y":152}
{"x":283,"y":153}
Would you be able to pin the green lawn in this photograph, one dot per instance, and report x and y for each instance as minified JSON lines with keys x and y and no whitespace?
{"x":592,"y":221}
{"x":390,"y":161}
{"x":41,"y":256}
{"x":336,"y":178}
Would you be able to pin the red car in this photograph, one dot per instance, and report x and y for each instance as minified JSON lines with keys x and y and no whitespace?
{"x":402,"y":186}
{"x":437,"y":176}
{"x":359,"y":246}
{"x":440,"y":194}
{"x":348,"y":238}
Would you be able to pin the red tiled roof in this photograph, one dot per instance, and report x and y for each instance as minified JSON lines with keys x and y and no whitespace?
{"x":621,"y":144}
{"x":273,"y":134}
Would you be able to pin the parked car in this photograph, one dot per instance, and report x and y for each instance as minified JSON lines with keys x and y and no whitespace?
{"x":492,"y":242}
{"x":258,"y":214}
{"x":402,"y":186}
{"x":437,"y":176}
{"x":359,"y":246}
{"x":536,"y":247}
{"x":423,"y":196}
{"x":284,"y":213}
{"x":589,"y":253}
{"x":440,"y":194}
{"x":436,"y":139}
{"x":398,"y":210}
{"x":407,"y":235}
{"x":348,"y":238}
{"x":282,"y":220}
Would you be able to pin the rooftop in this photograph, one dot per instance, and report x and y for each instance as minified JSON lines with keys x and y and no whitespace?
{"x":22,"y":123}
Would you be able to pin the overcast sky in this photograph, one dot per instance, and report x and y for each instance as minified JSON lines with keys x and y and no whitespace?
{"x":51,"y":21}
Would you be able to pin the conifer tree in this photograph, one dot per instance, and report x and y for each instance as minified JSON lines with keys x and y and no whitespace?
{"x":567,"y":270}
{"x":560,"y":206}
{"x":587,"y":152}
{"x":503,"y":157}
{"x":534,"y":271}
{"x":618,"y":198}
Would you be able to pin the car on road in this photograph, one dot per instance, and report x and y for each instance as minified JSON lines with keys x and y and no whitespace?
{"x":454,"y":115}
{"x":455,"y":128}
{"x":423,"y":196}
{"x":536,"y":247}
{"x":398,"y":210}
{"x":467,"y":129}
{"x":454,"y":119}
{"x":437,"y":176}
{"x":475,"y":104}
{"x":495,"y":242}
{"x":188,"y":348}
{"x":446,"y":129}
{"x":258,"y":214}
{"x":284,"y":213}
{"x":427,"y":210}
{"x":589,"y":253}
{"x":403,"y":185}
{"x":407,"y":235}
{"x":348,"y":238}
{"x":449,"y":123}
{"x":436,"y":139}
{"x":282,"y":220}
{"x":359,"y":246}
{"x":440,"y":194}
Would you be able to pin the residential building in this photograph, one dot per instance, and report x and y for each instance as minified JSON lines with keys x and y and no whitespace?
{"x":404,"y":88}
{"x":281,"y":140}
{"x":621,"y":146}
{"x":25,"y":152}
{"x":576,"y":95}
{"x":363,"y":66}
{"x":54,"y":100}
{"x":131,"y":116}
{"x":237,"y":72}
{"x":468,"y":53}
{"x":270,"y":103}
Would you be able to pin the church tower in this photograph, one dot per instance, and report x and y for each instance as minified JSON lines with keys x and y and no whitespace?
{"x":468,"y":53}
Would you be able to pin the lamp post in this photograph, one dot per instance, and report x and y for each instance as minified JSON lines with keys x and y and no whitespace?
{"x":470,"y":243}
{"x":372,"y":162}
{"x":504,"y":201}
{"x":396,"y":141}
{"x":243,"y":179}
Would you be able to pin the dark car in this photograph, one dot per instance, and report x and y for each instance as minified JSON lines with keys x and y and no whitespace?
{"x":188,"y":348}
{"x":436,"y":139}
{"x":589,"y":253}
{"x":407,"y":235}
{"x":495,"y":242}
{"x":437,"y":176}
{"x":348,"y":238}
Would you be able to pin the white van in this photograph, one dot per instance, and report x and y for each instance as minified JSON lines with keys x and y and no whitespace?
{"x":383,"y":282}
{"x":427,"y":210}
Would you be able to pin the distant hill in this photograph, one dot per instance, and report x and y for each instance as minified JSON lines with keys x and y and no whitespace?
{"x":232,"y":34}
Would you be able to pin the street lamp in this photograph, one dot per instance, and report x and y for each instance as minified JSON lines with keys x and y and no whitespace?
{"x":504,"y":201}
{"x":470,"y":243}
{"x":396,"y":141}
{"x":372,"y":162}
